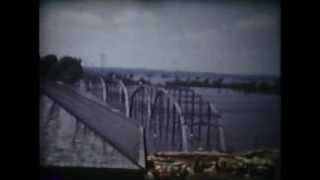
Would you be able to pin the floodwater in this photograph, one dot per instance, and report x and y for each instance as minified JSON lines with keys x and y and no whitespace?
{"x":250,"y":120}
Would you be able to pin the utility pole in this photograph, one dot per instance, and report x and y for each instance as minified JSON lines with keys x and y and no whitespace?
{"x":102,"y":60}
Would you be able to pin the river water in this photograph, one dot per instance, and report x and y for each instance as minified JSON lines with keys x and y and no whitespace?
{"x":250,"y":120}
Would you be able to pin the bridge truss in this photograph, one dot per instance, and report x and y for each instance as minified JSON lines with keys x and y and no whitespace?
{"x":174,"y":118}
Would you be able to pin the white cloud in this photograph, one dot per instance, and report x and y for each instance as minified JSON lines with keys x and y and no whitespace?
{"x":70,"y":18}
{"x":132,"y":16}
{"x":83,"y":18}
{"x":187,"y":37}
{"x":200,"y":35}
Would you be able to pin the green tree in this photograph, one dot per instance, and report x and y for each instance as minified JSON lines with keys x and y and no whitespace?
{"x":46,"y":63}
{"x":69,"y":69}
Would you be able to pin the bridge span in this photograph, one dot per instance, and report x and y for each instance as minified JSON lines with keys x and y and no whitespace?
{"x":142,"y":119}
{"x":114,"y":128}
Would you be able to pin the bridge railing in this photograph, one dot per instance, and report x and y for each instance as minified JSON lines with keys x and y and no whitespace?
{"x":167,"y":127}
{"x":141,"y":104}
{"x":96,"y":86}
{"x":202,"y":118}
{"x":153,"y":108}
{"x":84,"y":139}
{"x":117,"y":95}
{"x":112,"y":91}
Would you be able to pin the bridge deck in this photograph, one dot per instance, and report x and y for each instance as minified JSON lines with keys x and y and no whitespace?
{"x":119,"y":131}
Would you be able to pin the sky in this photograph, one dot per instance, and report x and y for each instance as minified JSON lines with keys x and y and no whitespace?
{"x":233,"y":37}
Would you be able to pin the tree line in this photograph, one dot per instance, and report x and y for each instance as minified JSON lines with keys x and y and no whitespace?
{"x":246,"y":87}
{"x":66,"y":69}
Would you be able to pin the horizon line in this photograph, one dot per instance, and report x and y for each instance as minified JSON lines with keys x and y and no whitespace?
{"x":186,"y":71}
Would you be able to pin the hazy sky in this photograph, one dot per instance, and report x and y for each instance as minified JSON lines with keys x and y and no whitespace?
{"x":219,"y":36}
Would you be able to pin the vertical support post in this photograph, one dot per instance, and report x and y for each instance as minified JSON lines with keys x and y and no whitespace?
{"x":209,"y":127}
{"x":104,"y":93}
{"x":186,"y":109}
{"x":179,"y":97}
{"x":173,"y":126}
{"x":120,"y":94}
{"x":186,"y":100}
{"x":200,"y":118}
{"x":161,"y":109}
{"x":156,"y":123}
{"x":126,"y":98}
{"x":221,"y":137}
{"x":192,"y":111}
{"x":136,"y":106}
{"x":183,"y":126}
{"x":140,"y":106}
{"x":149,"y":108}
{"x":111,"y":93}
{"x":107,"y":91}
{"x":144,"y":99}
{"x":167,"y":120}
{"x":184,"y":129}
{"x":114,"y":93}
{"x":142,"y":149}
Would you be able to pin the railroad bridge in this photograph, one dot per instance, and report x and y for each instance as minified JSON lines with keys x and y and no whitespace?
{"x":136,"y":120}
